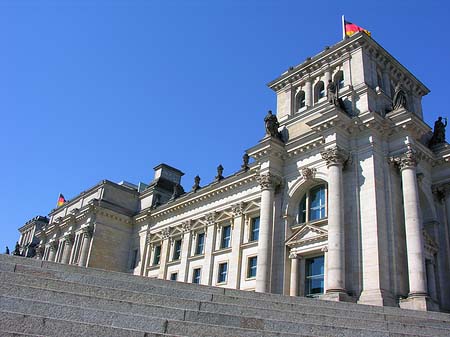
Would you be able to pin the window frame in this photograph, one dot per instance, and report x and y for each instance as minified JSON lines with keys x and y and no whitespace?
{"x":225,"y":241}
{"x":222,"y":274}
{"x":310,"y":278}
{"x":176,"y":253}
{"x":251,"y":237}
{"x":319,"y":94}
{"x":171,"y":278}
{"x":306,"y":210}
{"x":300,"y":100}
{"x":154,"y":262}
{"x":250,"y":268}
{"x":197,"y":244}
{"x":194,"y":276}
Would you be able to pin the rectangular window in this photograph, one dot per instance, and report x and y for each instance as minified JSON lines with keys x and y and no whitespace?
{"x":196,"y":274}
{"x":134,"y":256}
{"x":251,"y":267}
{"x":222,"y":275}
{"x":314,"y":276}
{"x":173,"y":276}
{"x":226,"y":237}
{"x":254,"y":229}
{"x":199,"y":249}
{"x":156,"y":255}
{"x":176,"y":250}
{"x":317,"y":203}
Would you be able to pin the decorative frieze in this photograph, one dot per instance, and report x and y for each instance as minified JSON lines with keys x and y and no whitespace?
{"x":210,"y":218}
{"x":238,"y":209}
{"x":186,"y":226}
{"x":335,"y":156}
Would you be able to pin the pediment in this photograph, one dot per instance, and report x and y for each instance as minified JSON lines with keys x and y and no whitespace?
{"x":306,"y":234}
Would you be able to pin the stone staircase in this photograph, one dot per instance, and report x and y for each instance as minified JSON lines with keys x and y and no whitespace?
{"x":39,"y":298}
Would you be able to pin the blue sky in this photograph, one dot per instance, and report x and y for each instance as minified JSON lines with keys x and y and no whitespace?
{"x":93,"y":90}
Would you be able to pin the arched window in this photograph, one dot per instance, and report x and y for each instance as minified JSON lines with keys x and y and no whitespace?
{"x":300,"y":100}
{"x":319,"y":91}
{"x":339,"y":79}
{"x":313,"y":204}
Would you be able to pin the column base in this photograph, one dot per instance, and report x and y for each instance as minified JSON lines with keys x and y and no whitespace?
{"x":377,"y":297}
{"x":337,"y":296}
{"x":419,"y":302}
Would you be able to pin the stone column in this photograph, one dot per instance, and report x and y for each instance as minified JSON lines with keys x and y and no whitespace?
{"x":53,"y":246}
{"x":293,"y":287}
{"x":86,"y":244}
{"x":67,"y":249}
{"x":40,"y":252}
{"x":335,"y":158}
{"x":325,"y":266}
{"x":185,"y":251}
{"x":165,"y":247}
{"x":308,"y":93}
{"x":267,"y":182}
{"x":210,"y":239}
{"x":413,"y":227}
{"x":236,"y":240}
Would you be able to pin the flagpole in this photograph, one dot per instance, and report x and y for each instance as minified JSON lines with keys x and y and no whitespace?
{"x":343,"y":28}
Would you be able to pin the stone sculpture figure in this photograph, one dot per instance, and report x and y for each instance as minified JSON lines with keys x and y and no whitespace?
{"x":196,"y":186}
{"x":332,"y":93}
{"x":272,"y":125}
{"x":399,"y":99}
{"x":245,"y":160}
{"x":177,"y":191}
{"x":219,"y":175}
{"x":439,"y":132}
{"x":7,"y":250}
{"x":17,"y":249}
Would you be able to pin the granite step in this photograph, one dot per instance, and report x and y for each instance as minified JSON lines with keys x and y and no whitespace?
{"x":95,"y":310}
{"x":305,"y":315}
{"x":22,"y":263}
{"x":36,"y":325}
{"x":257,"y":308}
{"x":306,"y":324}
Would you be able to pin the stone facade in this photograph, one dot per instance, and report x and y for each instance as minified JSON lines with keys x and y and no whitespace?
{"x":348,"y":204}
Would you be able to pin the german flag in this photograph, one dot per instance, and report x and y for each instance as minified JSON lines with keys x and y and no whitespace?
{"x":351,"y":28}
{"x":61,"y":200}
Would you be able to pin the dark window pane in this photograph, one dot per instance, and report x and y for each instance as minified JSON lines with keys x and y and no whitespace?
{"x":302,"y":210}
{"x":157,"y":255}
{"x":251,"y":272}
{"x":226,"y":237}
{"x":317,"y":203}
{"x":254,"y":230}
{"x":200,"y":243}
{"x":176,"y":250}
{"x":314,"y":283}
{"x":196,"y":276}
{"x":222,"y":276}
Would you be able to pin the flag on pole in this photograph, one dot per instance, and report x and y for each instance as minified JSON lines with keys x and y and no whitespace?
{"x":61,"y":200}
{"x":351,"y":28}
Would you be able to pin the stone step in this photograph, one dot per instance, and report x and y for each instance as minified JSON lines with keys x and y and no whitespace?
{"x":306,"y":315}
{"x":320,"y":307}
{"x":204,"y":290}
{"x":309,"y":324}
{"x":292,"y":312}
{"x":17,"y":334}
{"x":114,"y":312}
{"x":35,"y":325}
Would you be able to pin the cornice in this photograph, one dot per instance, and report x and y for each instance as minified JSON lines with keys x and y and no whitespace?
{"x":203,"y":195}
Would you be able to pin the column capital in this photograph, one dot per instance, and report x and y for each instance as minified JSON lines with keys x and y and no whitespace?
{"x":87,"y":231}
{"x":335,"y":156}
{"x":68,"y":238}
{"x":238,"y":209}
{"x":294,"y":256}
{"x":53,"y":245}
{"x":165,"y":233}
{"x":268,"y":181}
{"x":186,"y":226}
{"x":406,"y":160}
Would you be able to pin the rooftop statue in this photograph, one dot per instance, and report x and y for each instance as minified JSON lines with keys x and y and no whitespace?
{"x":332,"y":93}
{"x":245,"y":160}
{"x":272,"y":125}
{"x":196,"y":186}
{"x":439,"y":132}
{"x":17,"y":249}
{"x":7,"y":250}
{"x":219,"y":175}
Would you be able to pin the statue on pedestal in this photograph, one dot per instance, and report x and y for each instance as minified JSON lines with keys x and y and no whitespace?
{"x":272,"y":125}
{"x":439,"y":132}
{"x":7,"y":250}
{"x":332,"y":93}
{"x":196,"y":186}
{"x":245,"y":160}
{"x":219,"y":175}
{"x":399,"y":99}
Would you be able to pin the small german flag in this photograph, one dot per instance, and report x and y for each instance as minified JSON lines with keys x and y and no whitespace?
{"x":351,"y":28}
{"x":61,"y":200}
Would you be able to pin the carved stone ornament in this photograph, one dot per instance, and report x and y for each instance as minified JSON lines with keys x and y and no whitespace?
{"x":268,"y":181}
{"x":335,"y":156}
{"x":165,"y":232}
{"x":186,"y":226}
{"x":308,"y":173}
{"x":53,"y":245}
{"x":406,"y":160}
{"x":293,"y":255}
{"x":68,"y":238}
{"x":87,"y":231}
{"x":237,"y":209}
{"x":210,"y":218}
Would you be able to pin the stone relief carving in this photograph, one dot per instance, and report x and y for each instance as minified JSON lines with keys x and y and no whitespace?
{"x":399,"y":99}
{"x":237,"y":209}
{"x":165,"y":233}
{"x":268,"y":181}
{"x":308,"y":173}
{"x":405,"y":160}
{"x":186,"y":226}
